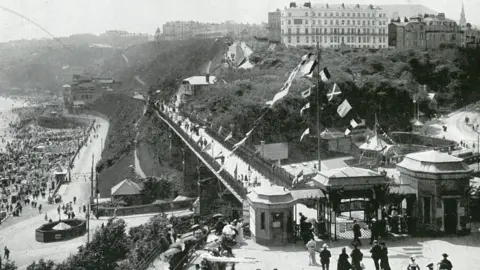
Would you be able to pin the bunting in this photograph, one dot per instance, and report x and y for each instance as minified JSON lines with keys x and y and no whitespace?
{"x":325,"y":74}
{"x":306,"y":132}
{"x":229,"y":136}
{"x":334,"y":92}
{"x":307,"y":106}
{"x":344,"y":108}
{"x":307,"y":93}
{"x":297,"y":178}
{"x":220,"y":130}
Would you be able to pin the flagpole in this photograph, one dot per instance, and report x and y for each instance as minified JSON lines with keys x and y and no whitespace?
{"x":318,"y":109}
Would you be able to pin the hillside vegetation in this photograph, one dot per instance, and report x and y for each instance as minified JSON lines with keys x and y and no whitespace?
{"x":374,"y":82}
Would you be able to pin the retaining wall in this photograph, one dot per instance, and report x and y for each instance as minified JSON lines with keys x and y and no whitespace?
{"x":144,"y":209}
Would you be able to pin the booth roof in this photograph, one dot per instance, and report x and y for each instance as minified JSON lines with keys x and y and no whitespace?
{"x":126,"y":187}
{"x":434,"y":162}
{"x":324,"y":178}
{"x":374,"y":144}
{"x":310,"y":166}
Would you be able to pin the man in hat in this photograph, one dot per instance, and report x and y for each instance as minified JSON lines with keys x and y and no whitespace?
{"x":445,"y":264}
{"x":430,"y":266}
{"x":376,"y":252}
{"x":325,"y":257}
{"x":357,"y":257}
{"x":311,"y":245}
{"x":373,"y":230}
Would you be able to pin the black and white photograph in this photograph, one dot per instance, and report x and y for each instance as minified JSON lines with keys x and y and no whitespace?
{"x":239,"y":135}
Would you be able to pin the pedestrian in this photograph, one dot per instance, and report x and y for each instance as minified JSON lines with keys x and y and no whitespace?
{"x":357,"y":257}
{"x":376,"y":251}
{"x":357,"y":233}
{"x":430,"y":266}
{"x":413,"y":265}
{"x":373,"y":230}
{"x":325,"y":257}
{"x":384,"y":264}
{"x":311,"y":245}
{"x":343,"y":263}
{"x":74,"y":200}
{"x":445,"y":264}
{"x":6,"y":253}
{"x":40,"y":208}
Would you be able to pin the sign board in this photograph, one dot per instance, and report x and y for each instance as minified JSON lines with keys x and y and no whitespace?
{"x":355,"y":205}
{"x":273,"y":151}
{"x":276,"y":224}
{"x":58,"y":237}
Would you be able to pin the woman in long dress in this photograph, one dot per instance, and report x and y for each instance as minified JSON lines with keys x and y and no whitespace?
{"x":239,"y":227}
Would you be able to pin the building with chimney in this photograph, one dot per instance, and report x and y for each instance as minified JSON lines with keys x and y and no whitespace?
{"x":274,"y":26}
{"x":334,"y":26}
{"x":427,"y":32}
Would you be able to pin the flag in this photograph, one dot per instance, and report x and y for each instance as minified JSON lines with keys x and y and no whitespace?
{"x":306,"y":58}
{"x":220,"y":130}
{"x":229,"y":136}
{"x":235,"y":172}
{"x":307,"y":106}
{"x":307,"y":93}
{"x":240,"y":143}
{"x":347,"y":131}
{"x":207,"y":147}
{"x":335,"y":92}
{"x":344,"y":108}
{"x":312,"y":69}
{"x":249,"y":133}
{"x":297,"y":177}
{"x":324,"y":74}
{"x":219,"y":155}
{"x":280,"y":94}
{"x":353,"y":123}
{"x":306,"y":132}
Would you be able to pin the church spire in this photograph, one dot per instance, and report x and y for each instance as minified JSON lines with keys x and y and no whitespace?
{"x":463,"y":21}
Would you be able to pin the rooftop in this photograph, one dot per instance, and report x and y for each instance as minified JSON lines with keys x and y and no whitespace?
{"x":200,"y":80}
{"x":309,"y":167}
{"x":126,"y":187}
{"x":433,"y":156}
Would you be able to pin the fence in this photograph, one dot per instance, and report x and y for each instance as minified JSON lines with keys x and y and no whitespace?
{"x":46,"y":233}
{"x":236,"y":185}
{"x":248,"y":154}
{"x":164,"y":207}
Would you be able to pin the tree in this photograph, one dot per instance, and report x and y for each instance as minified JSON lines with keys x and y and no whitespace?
{"x":156,"y":188}
{"x":10,"y":266}
{"x":42,"y":265}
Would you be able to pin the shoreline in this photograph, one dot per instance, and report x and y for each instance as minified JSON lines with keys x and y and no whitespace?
{"x":7,"y":116}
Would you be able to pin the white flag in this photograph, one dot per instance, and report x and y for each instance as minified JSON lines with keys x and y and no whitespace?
{"x":307,"y":106}
{"x":240,"y":143}
{"x":335,"y":91}
{"x":324,"y":74}
{"x":279,"y":95}
{"x":344,"y":108}
{"x":353,"y":123}
{"x":347,"y":131}
{"x":229,"y":136}
{"x":307,"y":93}
{"x":306,"y":132}
{"x":249,"y":133}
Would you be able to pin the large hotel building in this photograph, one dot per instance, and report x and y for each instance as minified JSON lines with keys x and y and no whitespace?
{"x":334,"y":26}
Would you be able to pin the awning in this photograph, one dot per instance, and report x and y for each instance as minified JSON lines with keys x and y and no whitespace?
{"x":305,"y":194}
{"x":402,"y":190}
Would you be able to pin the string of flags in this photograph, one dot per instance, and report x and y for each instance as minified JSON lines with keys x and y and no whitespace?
{"x":384,"y":134}
{"x":305,"y":67}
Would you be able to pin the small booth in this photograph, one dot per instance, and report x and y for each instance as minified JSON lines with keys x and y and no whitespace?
{"x":416,"y":126}
{"x":272,"y":213}
{"x":442,"y":183}
{"x":127,"y":191}
{"x":376,"y":147}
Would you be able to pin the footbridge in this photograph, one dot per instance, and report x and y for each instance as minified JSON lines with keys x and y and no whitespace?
{"x":242,"y":169}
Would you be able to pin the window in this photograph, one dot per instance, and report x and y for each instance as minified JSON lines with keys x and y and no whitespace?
{"x":313,"y":14}
{"x":262,"y":221}
{"x":335,"y":30}
{"x":358,"y":31}
{"x":358,"y":22}
{"x":313,"y":22}
{"x":289,"y":22}
{"x":331,"y":14}
{"x":353,"y":22}
{"x":289,"y":39}
{"x":368,"y":15}
{"x":298,"y":39}
{"x":298,"y":31}
{"x":368,"y":22}
{"x":306,"y":31}
{"x":336,"y":14}
{"x":306,"y":14}
{"x":348,"y":22}
{"x":289,"y":14}
{"x":348,"y":14}
{"x":325,"y":22}
{"x":306,"y":39}
{"x":343,"y":31}
{"x":325,"y":14}
{"x":343,"y":14}
{"x":353,"y":14}
{"x":427,"y":210}
{"x":364,"y":23}
{"x":283,"y":31}
{"x":331,"y":39}
{"x":364,"y":15}
{"x":324,"y":30}
{"x":306,"y":21}
{"x":343,"y":22}
{"x":336,"y":22}
{"x":331,"y":22}
{"x":319,"y":21}
{"x":359,"y":39}
{"x":289,"y":31}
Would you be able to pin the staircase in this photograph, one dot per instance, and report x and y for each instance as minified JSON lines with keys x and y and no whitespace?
{"x":413,"y":251}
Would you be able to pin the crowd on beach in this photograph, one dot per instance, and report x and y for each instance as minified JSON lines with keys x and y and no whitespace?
{"x":30,"y":157}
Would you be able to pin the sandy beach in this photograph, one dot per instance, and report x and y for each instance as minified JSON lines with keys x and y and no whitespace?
{"x":7,"y":116}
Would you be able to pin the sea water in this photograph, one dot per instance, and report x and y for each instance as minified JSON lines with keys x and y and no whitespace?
{"x":7,"y":116}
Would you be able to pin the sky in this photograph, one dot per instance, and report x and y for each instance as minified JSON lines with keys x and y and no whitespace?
{"x":67,"y":17}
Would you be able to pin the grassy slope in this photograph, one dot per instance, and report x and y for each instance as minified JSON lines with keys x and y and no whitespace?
{"x":382,"y":82}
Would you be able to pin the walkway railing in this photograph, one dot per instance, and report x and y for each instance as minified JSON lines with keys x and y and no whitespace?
{"x":229,"y":181}
{"x":249,"y":155}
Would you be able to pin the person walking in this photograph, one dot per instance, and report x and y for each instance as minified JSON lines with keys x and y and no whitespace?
{"x":445,"y":264}
{"x":376,"y":252}
{"x":373,"y":230}
{"x":384,"y":263}
{"x":413,"y":265}
{"x":6,"y":253}
{"x":357,"y":233}
{"x":343,"y":263}
{"x":311,"y":245}
{"x":357,"y":257}
{"x":325,"y":257}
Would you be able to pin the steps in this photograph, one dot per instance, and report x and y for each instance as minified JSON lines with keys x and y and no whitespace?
{"x":413,"y":251}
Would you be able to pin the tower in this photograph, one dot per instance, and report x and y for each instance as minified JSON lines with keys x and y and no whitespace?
{"x":463,"y":21}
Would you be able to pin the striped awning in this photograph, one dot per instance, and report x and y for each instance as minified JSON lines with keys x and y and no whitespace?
{"x":305,"y":194}
{"x":402,"y":190}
